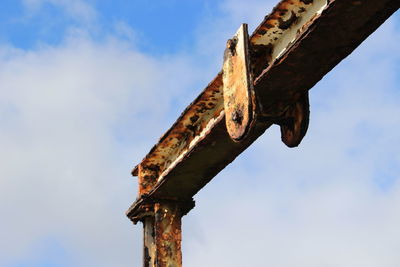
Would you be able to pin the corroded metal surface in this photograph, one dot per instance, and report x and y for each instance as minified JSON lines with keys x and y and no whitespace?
{"x":198,"y":146}
{"x":280,"y":28}
{"x":168,"y":236}
{"x":147,"y":203}
{"x":294,"y":122}
{"x":294,"y":47}
{"x":149,"y":244}
{"x":239,"y":101}
{"x":191,"y":126}
{"x":162,"y":233}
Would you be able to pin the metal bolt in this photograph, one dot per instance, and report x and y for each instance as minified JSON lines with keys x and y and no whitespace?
{"x":237,"y":116}
{"x":232,"y":45}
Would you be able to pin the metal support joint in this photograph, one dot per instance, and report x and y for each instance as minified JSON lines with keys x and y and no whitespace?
{"x":162,"y":233}
{"x":241,"y":104}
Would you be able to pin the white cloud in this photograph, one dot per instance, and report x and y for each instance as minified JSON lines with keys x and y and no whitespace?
{"x":74,"y":119}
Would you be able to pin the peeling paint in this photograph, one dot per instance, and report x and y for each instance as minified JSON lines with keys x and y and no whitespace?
{"x":189,"y":128}
{"x":285,"y":24}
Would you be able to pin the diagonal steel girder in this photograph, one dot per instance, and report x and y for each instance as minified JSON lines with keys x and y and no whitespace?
{"x":290,"y":51}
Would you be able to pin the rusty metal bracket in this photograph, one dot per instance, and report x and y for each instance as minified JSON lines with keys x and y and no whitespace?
{"x":239,"y":94}
{"x":144,"y":207}
{"x":294,"y":122}
{"x":240,"y":99}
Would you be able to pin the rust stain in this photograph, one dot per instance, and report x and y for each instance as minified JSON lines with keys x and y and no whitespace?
{"x":168,"y":234}
{"x":278,"y":30}
{"x":307,"y":2}
{"x":285,"y":24}
{"x":162,"y":235}
{"x":177,"y":140}
{"x":149,"y":246}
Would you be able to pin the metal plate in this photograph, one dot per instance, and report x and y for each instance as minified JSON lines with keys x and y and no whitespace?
{"x":294,"y":123}
{"x":238,"y":85}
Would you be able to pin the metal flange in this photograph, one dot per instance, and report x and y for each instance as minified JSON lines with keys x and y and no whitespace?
{"x":238,"y":87}
{"x":240,"y":104}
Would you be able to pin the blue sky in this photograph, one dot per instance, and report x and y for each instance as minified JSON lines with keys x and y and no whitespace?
{"x":87,"y":87}
{"x":162,"y":26}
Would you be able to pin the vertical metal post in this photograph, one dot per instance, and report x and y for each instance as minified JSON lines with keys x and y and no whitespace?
{"x":149,"y":245}
{"x":162,"y":236}
{"x":168,"y":236}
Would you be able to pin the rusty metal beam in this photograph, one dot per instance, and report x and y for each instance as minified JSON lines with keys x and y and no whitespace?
{"x":291,"y":50}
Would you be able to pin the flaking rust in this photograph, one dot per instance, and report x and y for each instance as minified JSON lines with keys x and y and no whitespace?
{"x":162,"y":220}
{"x":178,"y":140}
{"x":162,"y":235}
{"x":168,"y":236}
{"x":239,"y":105}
